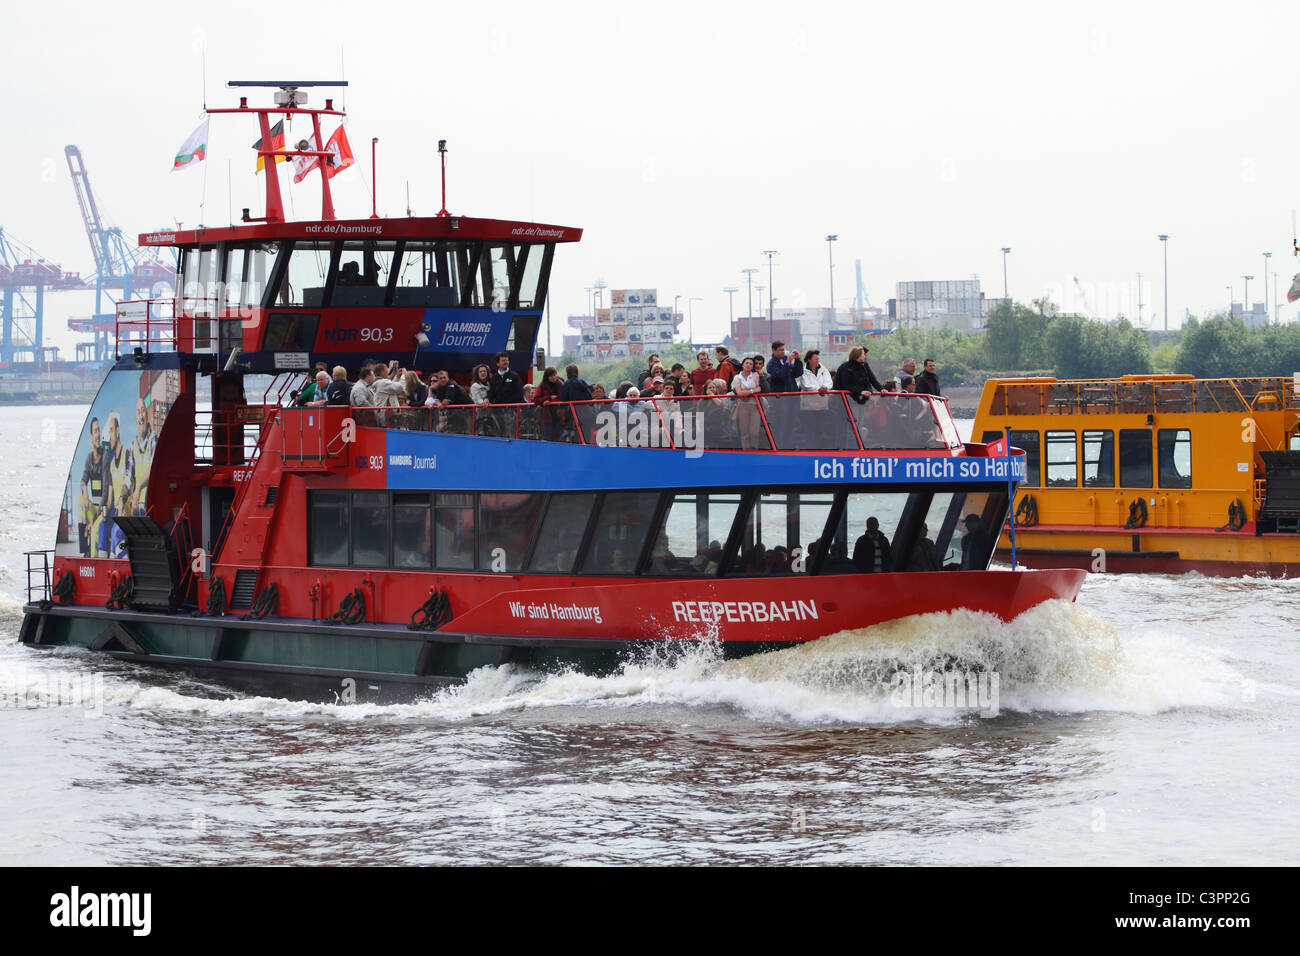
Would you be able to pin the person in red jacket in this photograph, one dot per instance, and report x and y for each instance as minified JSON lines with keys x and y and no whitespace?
{"x":700,"y":377}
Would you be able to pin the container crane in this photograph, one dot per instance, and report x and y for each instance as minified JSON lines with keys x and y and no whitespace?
{"x":118,"y":265}
{"x":22,"y":319}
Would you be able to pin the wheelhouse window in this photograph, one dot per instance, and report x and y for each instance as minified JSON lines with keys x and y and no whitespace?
{"x":362,"y":273}
{"x":1099,"y":458}
{"x":1029,"y":441}
{"x":1174,"y":450}
{"x":1135,"y":458}
{"x":300,"y":274}
{"x":1062,"y":459}
{"x":427,"y":274}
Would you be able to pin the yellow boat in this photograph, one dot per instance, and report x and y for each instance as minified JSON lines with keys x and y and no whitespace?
{"x":1152,"y":473}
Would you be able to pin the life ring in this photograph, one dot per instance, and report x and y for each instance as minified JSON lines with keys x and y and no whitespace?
{"x":1137,"y":513}
{"x":1027,"y":512}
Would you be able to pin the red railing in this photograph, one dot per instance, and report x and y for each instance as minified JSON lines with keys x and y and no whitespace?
{"x":800,"y":421}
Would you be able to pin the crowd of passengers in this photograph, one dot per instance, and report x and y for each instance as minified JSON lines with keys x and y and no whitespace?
{"x":380,"y":385}
{"x":388,"y":385}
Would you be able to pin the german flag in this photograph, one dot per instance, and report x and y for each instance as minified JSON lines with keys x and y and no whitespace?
{"x":277,"y":142}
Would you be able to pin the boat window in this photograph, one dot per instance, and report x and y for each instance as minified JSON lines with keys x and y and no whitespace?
{"x":1174,"y":447}
{"x":498,"y":264}
{"x":427,"y":276}
{"x":532,"y":284}
{"x":290,"y":331}
{"x":942,"y":527}
{"x":849,"y":546}
{"x":1099,"y":459}
{"x":304,"y":281}
{"x":562,"y":531}
{"x":1029,"y":441}
{"x":523,"y":333}
{"x":257,"y":269}
{"x":370,"y":529}
{"x":506,"y":523}
{"x":412,"y":531}
{"x":454,"y":532}
{"x":328,"y":530}
{"x":236,"y":258}
{"x":620,"y":532}
{"x":1135,"y":457}
{"x":202,"y":282}
{"x":781,"y":532}
{"x":694,"y":534}
{"x":971,"y":528}
{"x":362,"y":276}
{"x":1062,"y":459}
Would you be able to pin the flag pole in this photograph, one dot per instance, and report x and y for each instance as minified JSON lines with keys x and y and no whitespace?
{"x":374,"y":194}
{"x":1011,"y":492}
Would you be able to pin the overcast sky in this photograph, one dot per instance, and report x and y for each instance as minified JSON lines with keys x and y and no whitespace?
{"x":685,"y":138}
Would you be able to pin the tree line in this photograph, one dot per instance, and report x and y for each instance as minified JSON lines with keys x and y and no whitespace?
{"x":1035,"y":338}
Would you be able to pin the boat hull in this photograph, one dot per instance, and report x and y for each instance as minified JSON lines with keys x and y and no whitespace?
{"x":306,"y":659}
{"x":1157,"y":551}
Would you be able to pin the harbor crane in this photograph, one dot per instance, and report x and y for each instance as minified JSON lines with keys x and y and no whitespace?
{"x":119,"y":266}
{"x":22,"y":319}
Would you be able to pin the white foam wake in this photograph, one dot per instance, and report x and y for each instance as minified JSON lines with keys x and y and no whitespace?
{"x":1057,"y":657}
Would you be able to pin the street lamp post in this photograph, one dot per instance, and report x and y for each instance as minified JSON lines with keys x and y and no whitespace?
{"x":771,"y":299}
{"x":830,"y":257}
{"x":1245,"y":296}
{"x":690,"y":309}
{"x":731,"y":291}
{"x":749,"y":279}
{"x":1005,"y":293}
{"x":760,"y":289}
{"x":1267,"y":256}
{"x":1230,"y":312}
{"x":1164,"y":241}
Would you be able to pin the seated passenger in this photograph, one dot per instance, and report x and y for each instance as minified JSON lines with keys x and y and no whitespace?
{"x":871,"y":551}
{"x":924,"y":556}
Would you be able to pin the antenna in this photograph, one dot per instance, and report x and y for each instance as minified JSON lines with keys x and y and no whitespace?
{"x":374,"y":184}
{"x":1295,"y":243}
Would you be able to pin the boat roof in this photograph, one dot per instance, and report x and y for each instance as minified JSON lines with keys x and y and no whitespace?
{"x":413,"y":228}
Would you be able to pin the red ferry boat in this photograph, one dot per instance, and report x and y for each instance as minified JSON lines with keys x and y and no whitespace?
{"x":336,"y":552}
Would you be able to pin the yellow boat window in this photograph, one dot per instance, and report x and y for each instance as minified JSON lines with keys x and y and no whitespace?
{"x":1174,"y":448}
{"x":1099,"y":458}
{"x":1135,"y":457}
{"x":1062,"y":460}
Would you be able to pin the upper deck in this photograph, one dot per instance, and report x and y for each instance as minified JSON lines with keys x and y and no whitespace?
{"x":1138,"y":395}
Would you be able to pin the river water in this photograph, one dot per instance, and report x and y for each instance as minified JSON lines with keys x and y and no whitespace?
{"x":1155,"y":721}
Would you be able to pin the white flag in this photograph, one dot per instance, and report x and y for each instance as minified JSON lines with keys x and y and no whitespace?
{"x":194,"y":149}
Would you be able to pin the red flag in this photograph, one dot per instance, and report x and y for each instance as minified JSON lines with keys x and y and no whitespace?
{"x":1294,"y":292}
{"x":998,"y":449}
{"x":341,"y":151}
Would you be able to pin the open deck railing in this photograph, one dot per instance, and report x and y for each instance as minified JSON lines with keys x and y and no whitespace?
{"x":1142,"y":396}
{"x":784,"y":422}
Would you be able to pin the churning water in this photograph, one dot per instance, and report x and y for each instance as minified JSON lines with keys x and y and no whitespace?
{"x":1154,"y":721}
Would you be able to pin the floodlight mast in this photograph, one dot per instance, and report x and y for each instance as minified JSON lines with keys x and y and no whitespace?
{"x":289,"y":100}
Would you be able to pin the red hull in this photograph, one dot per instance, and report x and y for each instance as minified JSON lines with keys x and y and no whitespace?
{"x":745,"y":610}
